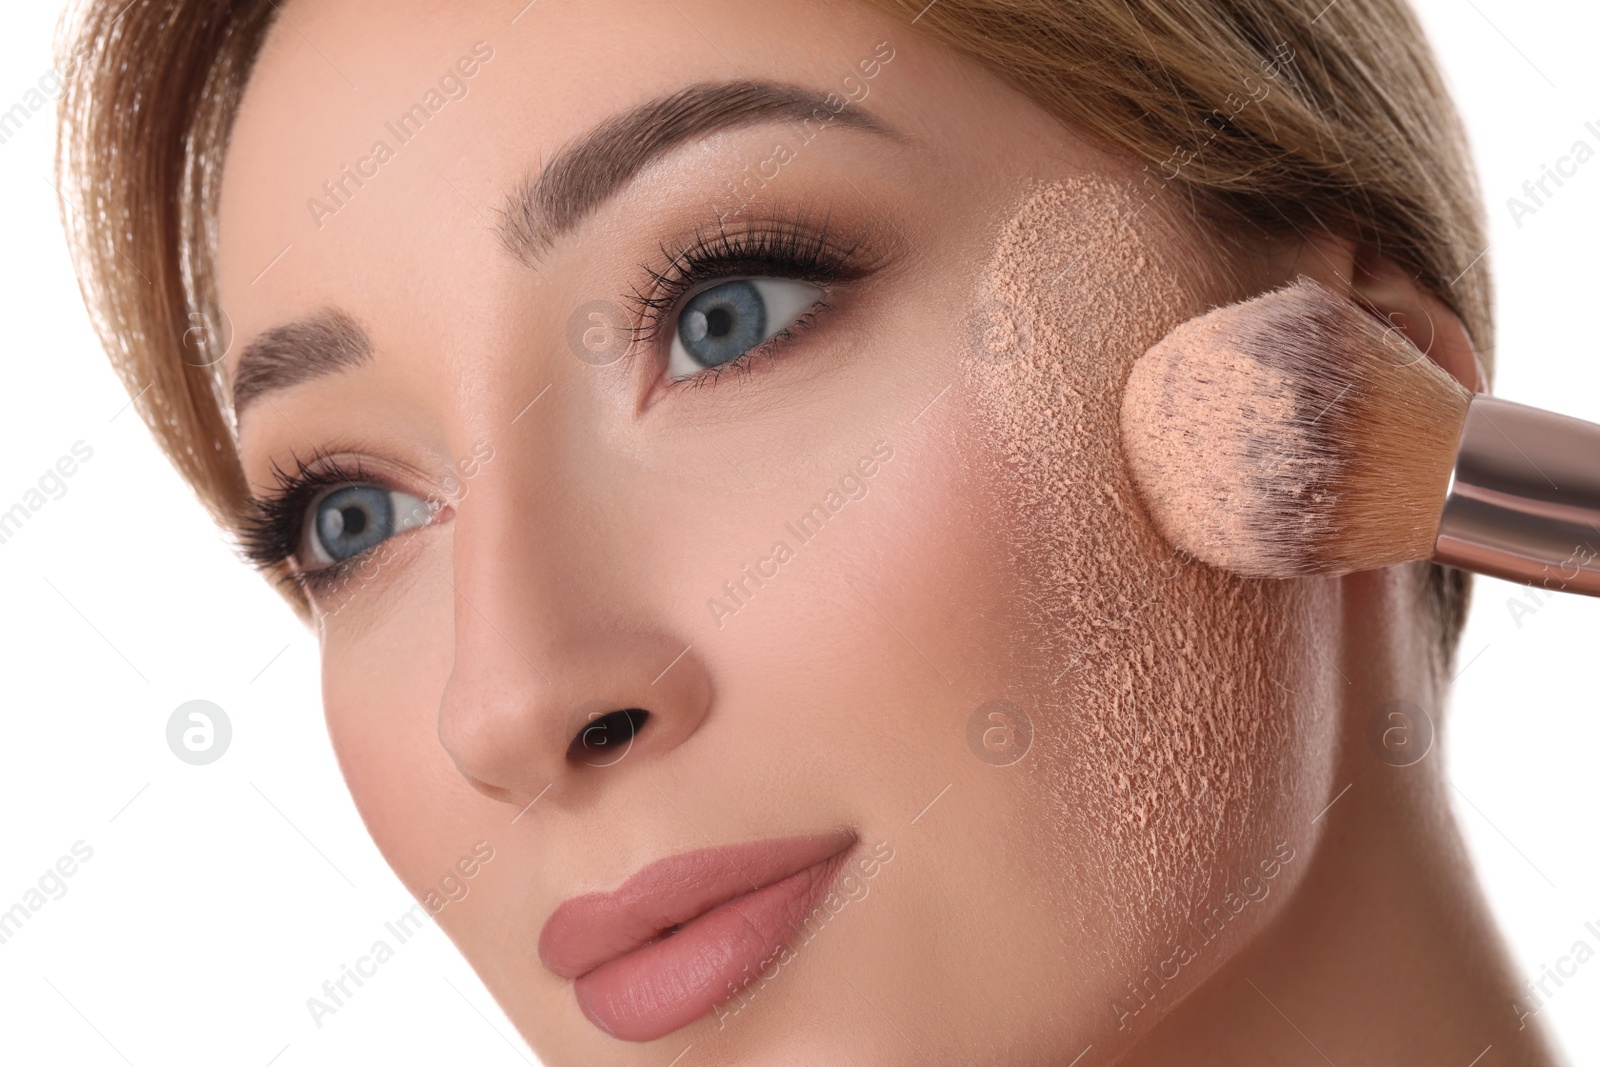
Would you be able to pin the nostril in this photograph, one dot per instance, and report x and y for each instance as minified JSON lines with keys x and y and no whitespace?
{"x":605,"y":739}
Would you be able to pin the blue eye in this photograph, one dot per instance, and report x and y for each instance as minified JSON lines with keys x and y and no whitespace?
{"x":353,"y":518}
{"x":722,"y":323}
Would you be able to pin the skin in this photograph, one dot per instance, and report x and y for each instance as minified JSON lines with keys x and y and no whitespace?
{"x":573,"y":571}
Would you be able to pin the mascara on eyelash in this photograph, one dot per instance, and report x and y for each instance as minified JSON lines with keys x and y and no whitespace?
{"x":269,"y":533}
{"x":789,"y":247}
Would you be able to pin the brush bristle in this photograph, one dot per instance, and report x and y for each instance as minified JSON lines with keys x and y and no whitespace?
{"x":1292,"y":434}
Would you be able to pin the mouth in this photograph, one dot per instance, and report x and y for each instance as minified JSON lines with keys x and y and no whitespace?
{"x":682,"y":935}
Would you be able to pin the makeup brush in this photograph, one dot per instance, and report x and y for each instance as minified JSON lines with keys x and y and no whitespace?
{"x":1298,"y":433}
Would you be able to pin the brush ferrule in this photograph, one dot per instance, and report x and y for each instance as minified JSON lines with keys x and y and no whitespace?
{"x":1524,"y":498}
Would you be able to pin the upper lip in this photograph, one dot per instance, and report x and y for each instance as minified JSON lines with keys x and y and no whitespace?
{"x":596,"y":928}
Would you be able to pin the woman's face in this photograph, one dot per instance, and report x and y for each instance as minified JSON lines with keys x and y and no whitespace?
{"x":695,"y":423}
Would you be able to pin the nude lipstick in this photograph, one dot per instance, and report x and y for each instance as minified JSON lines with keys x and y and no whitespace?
{"x":672,"y":942}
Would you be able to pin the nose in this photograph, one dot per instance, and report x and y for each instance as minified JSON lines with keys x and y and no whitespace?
{"x":562,"y":666}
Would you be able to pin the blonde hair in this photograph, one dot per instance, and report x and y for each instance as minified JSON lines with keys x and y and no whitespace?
{"x":1356,"y":136}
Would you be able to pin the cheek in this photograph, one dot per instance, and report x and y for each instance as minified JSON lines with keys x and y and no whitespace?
{"x":1181,"y":736}
{"x":385,"y":660}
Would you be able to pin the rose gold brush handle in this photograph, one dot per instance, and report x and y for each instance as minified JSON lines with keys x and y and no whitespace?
{"x":1524,"y":498}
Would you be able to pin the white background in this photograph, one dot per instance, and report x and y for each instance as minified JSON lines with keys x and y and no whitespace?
{"x":219,"y":898}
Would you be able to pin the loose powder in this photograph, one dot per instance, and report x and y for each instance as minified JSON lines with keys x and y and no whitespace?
{"x":1164,"y":739}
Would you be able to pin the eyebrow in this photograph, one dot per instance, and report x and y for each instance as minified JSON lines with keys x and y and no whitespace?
{"x":544,"y":206}
{"x":324,"y":342}
{"x":590,"y":170}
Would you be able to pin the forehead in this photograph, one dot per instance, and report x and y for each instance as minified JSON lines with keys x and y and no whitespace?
{"x":377,"y":134}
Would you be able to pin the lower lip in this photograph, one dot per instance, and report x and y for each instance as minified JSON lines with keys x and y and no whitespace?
{"x":670,"y":983}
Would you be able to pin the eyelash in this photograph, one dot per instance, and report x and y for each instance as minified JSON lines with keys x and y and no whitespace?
{"x":783,"y":248}
{"x":271,"y":532}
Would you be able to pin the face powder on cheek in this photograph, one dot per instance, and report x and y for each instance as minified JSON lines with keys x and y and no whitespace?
{"x":1164,"y":739}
